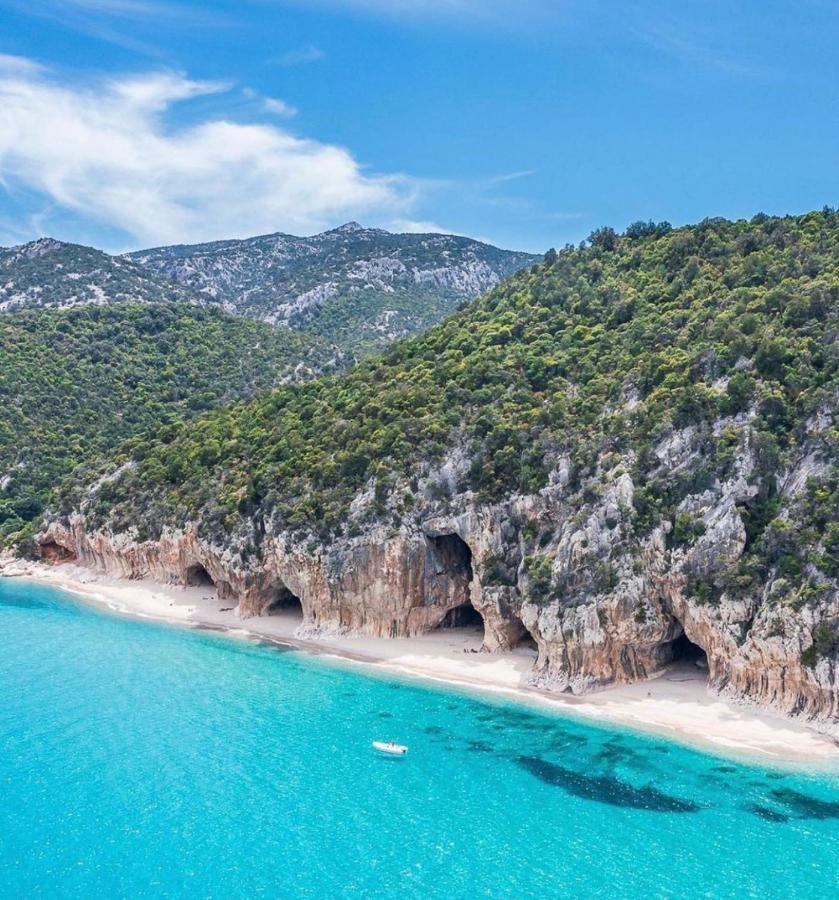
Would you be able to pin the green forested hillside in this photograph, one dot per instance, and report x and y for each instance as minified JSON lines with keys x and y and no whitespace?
{"x":602,"y":349}
{"x":76,"y":383}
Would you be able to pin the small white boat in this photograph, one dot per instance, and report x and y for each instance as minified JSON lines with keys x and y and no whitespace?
{"x":390,"y":748}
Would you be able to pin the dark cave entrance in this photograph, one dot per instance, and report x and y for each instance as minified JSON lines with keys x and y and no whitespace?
{"x":464,"y":616}
{"x":526,"y":641}
{"x":686,"y":653}
{"x":284,"y":603}
{"x":455,"y":556}
{"x":454,"y":559}
{"x":198,"y":576}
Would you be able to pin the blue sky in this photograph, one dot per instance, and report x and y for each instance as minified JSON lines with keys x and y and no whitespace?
{"x":528,"y":123}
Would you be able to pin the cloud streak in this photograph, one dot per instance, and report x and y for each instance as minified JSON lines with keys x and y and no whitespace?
{"x":510,"y":176}
{"x":694,"y":53}
{"x":118,"y":9}
{"x":301,"y":56}
{"x":494,"y":12}
{"x":279,"y":107}
{"x":107,"y":152}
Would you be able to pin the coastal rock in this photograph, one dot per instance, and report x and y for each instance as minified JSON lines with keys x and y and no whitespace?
{"x":569,"y":570}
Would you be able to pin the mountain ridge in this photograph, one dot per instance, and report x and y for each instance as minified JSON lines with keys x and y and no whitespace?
{"x":361,"y":287}
{"x":354,"y":286}
{"x":47,"y":272}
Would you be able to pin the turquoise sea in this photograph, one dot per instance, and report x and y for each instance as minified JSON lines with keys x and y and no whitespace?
{"x":140,"y":760}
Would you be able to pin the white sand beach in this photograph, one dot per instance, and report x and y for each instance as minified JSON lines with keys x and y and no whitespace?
{"x":676,"y":704}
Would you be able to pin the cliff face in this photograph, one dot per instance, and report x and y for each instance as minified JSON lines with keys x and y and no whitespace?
{"x":603,"y":602}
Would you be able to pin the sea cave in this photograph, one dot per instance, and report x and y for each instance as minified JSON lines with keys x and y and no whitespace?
{"x":284,"y":602}
{"x":454,"y":558}
{"x":198,"y":576}
{"x":686,"y":653}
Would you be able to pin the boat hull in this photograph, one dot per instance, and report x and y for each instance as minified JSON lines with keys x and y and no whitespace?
{"x":390,"y":749}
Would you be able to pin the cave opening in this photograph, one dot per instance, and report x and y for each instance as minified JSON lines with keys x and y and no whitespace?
{"x":284,"y":603}
{"x":526,"y":642}
{"x":198,"y":576}
{"x":55,"y":553}
{"x":455,"y":556}
{"x":685,"y":652}
{"x":454,"y":559}
{"x":463,"y":616}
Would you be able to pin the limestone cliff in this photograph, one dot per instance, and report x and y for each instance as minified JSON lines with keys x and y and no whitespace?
{"x":566,"y":568}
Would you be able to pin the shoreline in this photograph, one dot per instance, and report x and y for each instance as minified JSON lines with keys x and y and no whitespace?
{"x":675,"y":705}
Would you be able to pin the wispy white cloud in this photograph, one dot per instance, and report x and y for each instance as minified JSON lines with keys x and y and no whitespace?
{"x":131,"y":8}
{"x":272,"y":105}
{"x":279,"y":107}
{"x":124,"y":9}
{"x":510,"y":176}
{"x":156,"y":91}
{"x":417,"y":226}
{"x":107,"y":152}
{"x":509,"y":12}
{"x":301,"y":56}
{"x":120,"y":22}
{"x":19,"y":65}
{"x":704,"y":45}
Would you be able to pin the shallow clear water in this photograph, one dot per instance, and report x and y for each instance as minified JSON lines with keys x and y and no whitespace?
{"x":144,"y":760}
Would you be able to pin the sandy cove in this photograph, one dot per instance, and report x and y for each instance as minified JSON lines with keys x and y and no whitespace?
{"x":676,"y":705}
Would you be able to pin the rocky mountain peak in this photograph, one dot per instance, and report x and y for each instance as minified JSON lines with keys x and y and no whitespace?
{"x":38,"y":248}
{"x":360,"y":287}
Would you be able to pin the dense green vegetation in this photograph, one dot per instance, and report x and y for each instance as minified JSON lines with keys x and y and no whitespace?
{"x":364,"y":322}
{"x":597,"y":354}
{"x":76,"y":383}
